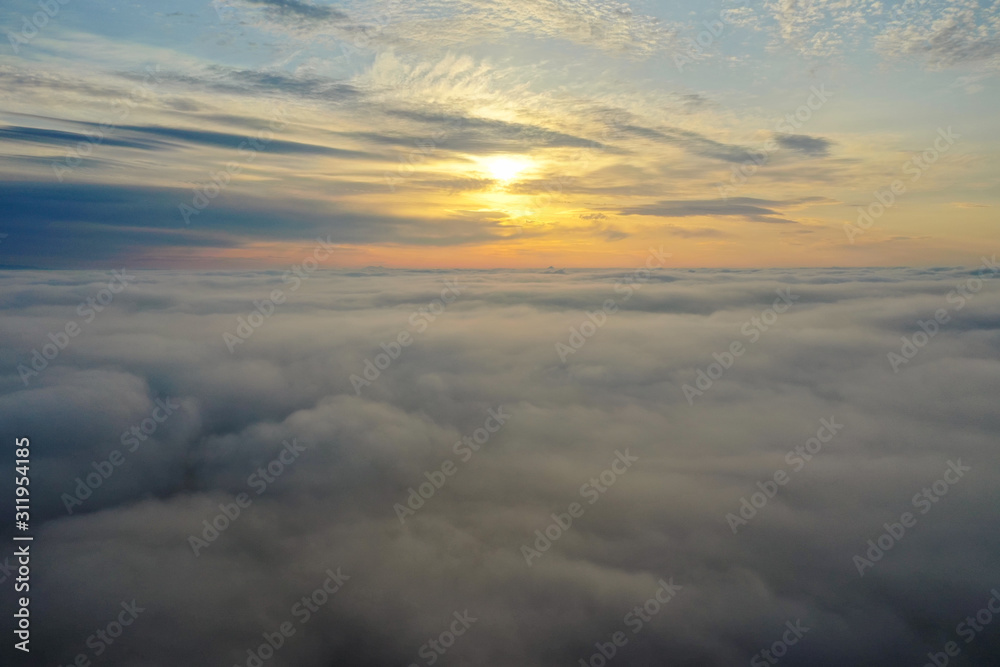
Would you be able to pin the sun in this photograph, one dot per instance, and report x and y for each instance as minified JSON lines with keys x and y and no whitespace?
{"x":506,"y":168}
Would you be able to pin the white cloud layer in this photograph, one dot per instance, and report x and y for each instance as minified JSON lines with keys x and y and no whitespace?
{"x":495,"y":345}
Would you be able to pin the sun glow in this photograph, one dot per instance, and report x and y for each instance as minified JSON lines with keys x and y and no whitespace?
{"x":506,"y":168}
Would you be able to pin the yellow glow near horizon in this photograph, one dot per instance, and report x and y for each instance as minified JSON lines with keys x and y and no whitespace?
{"x":506,"y":168}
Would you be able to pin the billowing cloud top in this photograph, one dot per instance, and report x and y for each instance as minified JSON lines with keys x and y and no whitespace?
{"x":743,"y":449}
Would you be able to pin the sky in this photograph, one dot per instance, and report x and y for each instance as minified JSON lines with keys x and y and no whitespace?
{"x":507,"y":316}
{"x":817,"y":377}
{"x":519,"y":133}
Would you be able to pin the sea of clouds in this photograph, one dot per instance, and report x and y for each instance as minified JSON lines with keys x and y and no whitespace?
{"x":734,"y":453}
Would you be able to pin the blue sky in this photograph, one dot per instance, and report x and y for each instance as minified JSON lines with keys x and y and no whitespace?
{"x":515,"y":133}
